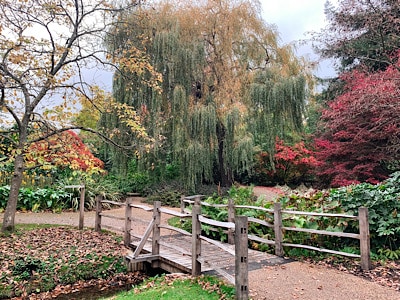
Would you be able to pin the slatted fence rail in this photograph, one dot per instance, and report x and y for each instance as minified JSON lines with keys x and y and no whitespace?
{"x":363,"y":236}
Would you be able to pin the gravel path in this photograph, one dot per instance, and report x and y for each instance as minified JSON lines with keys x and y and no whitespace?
{"x":294,"y":280}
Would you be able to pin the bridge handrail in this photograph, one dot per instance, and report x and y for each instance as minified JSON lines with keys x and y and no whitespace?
{"x":279,"y":229}
{"x":213,"y":222}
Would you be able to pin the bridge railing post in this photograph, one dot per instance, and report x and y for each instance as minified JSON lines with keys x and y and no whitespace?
{"x":364,"y":238}
{"x":231,"y":218}
{"x":241,"y":258}
{"x":128,"y":222}
{"x":196,"y":242}
{"x":278,"y":229}
{"x":99,"y":208}
{"x":156,"y":228}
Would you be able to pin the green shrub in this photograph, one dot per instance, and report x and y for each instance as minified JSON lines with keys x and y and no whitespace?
{"x":383,"y":203}
{"x":37,"y":199}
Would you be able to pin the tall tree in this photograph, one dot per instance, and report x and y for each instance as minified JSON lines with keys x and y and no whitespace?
{"x":361,"y":33}
{"x":361,"y":141}
{"x":44,"y":46}
{"x":209,"y":52}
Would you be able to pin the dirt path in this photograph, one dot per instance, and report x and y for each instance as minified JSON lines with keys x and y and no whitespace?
{"x":294,"y":280}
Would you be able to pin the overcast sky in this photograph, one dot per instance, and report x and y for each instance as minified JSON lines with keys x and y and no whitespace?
{"x":294,"y":18}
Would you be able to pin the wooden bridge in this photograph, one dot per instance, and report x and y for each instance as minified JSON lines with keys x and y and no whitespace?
{"x":175,"y":250}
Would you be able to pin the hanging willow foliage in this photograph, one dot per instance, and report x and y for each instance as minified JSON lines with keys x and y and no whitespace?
{"x":213,"y":103}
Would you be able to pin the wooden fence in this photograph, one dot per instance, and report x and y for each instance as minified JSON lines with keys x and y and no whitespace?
{"x":363,"y":236}
{"x":237,"y":229}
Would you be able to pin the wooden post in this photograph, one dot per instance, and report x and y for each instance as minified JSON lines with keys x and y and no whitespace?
{"x":128,"y":222}
{"x":155,"y":249}
{"x":278,"y":228}
{"x":99,"y":207}
{"x":182,"y":204}
{"x":241,"y":258}
{"x":82,"y":207}
{"x":231,"y":218}
{"x":196,"y":232}
{"x":364,"y":238}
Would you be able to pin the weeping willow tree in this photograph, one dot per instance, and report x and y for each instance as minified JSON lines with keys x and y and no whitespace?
{"x":214,"y":57}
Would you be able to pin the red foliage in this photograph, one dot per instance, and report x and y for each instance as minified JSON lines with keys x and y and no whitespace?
{"x":64,"y":150}
{"x":292,"y":164}
{"x":362,"y":129}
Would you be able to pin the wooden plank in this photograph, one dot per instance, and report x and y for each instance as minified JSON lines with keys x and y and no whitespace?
{"x":261,"y":222}
{"x":214,"y":205}
{"x":142,"y":257}
{"x":175,"y":229}
{"x":146,"y":235}
{"x":225,"y":274}
{"x":193,"y":197}
{"x":144,"y":207}
{"x":255,"y":208}
{"x":174,"y":213}
{"x":260,"y":240}
{"x":216,"y":223}
{"x":113,"y":202}
{"x":241,"y":258}
{"x":278,"y":229}
{"x":306,"y":213}
{"x":321,"y":250}
{"x":218,"y":244}
{"x":196,"y":241}
{"x":81,"y":207}
{"x":324,"y":232}
{"x":364,"y":238}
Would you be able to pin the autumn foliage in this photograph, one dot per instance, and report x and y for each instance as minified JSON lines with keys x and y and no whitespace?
{"x":361,"y":129}
{"x":65,"y":150}
{"x":290,"y":164}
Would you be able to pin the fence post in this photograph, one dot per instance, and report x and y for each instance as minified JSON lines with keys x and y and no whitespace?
{"x":241,"y":258}
{"x":182,"y":204}
{"x":155,"y":249}
{"x":196,"y":232}
{"x":128,"y":222}
{"x":231,"y":218}
{"x":99,"y":207}
{"x":278,"y":228}
{"x":81,"y":207}
{"x":364,"y":238}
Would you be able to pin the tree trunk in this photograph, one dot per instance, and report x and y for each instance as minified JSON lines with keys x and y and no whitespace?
{"x":225,"y":177}
{"x":16,"y":181}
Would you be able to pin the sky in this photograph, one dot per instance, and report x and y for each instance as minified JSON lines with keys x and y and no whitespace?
{"x":294,"y":19}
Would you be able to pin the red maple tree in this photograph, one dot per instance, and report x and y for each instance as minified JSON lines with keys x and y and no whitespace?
{"x":63,"y":150}
{"x":291,"y":164}
{"x":361,"y":129}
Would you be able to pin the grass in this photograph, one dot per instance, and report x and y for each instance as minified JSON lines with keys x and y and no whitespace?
{"x":179,"y":287}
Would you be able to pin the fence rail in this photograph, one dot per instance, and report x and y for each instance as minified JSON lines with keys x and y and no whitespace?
{"x":363,"y":236}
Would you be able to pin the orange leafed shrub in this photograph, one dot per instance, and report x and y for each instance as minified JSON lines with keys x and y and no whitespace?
{"x":63,"y":150}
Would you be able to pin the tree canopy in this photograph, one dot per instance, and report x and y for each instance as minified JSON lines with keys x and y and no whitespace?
{"x":361,"y":33}
{"x":225,"y":81}
{"x":361,"y":134}
{"x":45,"y":45}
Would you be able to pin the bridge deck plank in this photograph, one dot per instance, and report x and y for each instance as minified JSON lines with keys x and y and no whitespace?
{"x":217,"y":257}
